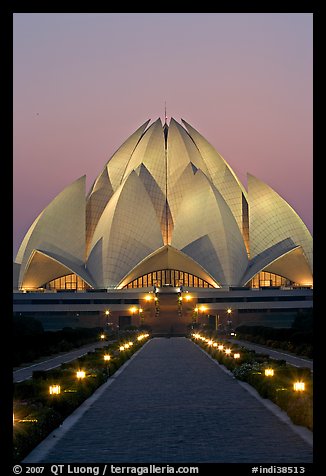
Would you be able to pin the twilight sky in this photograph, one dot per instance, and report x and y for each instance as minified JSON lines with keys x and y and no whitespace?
{"x":83,"y":82}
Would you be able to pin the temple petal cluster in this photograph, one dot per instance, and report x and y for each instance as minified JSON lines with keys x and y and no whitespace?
{"x":165,"y":209}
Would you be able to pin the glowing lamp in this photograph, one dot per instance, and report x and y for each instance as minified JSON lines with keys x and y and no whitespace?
{"x":220,"y":347}
{"x":299,"y":386}
{"x":188,"y":298}
{"x":210,"y":342}
{"x":236,"y":356}
{"x":269,"y":372}
{"x":80,"y":374}
{"x":54,"y":389}
{"x":102,"y":336}
{"x":148,"y":297}
{"x":107,"y":357}
{"x":121,"y":348}
{"x":215,"y":344}
{"x":228,"y":351}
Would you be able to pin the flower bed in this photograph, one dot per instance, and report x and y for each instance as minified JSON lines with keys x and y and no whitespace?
{"x":37,"y":412}
{"x":250,"y":366}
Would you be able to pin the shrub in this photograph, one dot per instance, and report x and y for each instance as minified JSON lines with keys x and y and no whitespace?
{"x":28,"y":434}
{"x":244,"y":370}
{"x":32,"y":398}
{"x":278,"y":389}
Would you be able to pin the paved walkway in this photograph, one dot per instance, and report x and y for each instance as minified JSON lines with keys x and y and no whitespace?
{"x":173,"y":404}
{"x":49,"y":363}
{"x":277,"y":354}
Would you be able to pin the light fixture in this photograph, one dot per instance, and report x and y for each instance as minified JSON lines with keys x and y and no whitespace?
{"x":299,"y":386}
{"x":269,"y":372}
{"x":54,"y":389}
{"x":80,"y":374}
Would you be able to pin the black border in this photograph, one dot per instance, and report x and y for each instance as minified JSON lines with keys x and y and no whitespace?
{"x":7,"y":11}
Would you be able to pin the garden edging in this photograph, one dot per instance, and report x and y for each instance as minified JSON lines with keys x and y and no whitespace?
{"x":39,"y":452}
{"x":303,"y":432}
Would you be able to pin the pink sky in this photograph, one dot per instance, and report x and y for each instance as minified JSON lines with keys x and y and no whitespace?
{"x":84,"y":82}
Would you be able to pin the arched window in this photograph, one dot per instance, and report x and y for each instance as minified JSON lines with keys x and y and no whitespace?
{"x":266,"y":279}
{"x":173,"y":277}
{"x":69,"y":281}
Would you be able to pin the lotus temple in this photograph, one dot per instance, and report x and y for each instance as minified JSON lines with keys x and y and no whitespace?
{"x":167,"y":237}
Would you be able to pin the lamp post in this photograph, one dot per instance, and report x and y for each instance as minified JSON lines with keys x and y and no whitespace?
{"x":134,"y":310}
{"x":107,"y":314}
{"x":54,"y":389}
{"x":107,"y":359}
{"x":229,"y":321}
{"x":140,"y":312}
{"x":195,"y":315}
{"x":269,"y":372}
{"x":80,"y":374}
{"x":217,"y":319}
{"x":188,"y":297}
{"x":299,"y":386}
{"x":203,"y":311}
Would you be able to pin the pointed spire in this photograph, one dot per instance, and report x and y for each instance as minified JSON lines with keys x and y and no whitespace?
{"x":165,"y":127}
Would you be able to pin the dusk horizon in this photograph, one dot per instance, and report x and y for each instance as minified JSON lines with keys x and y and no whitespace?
{"x":83,"y":83}
{"x":163,"y":286}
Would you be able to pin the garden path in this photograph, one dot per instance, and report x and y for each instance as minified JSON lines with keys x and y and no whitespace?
{"x":173,"y":404}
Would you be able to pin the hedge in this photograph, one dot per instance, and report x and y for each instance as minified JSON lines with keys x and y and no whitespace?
{"x":251,"y":367}
{"x":37,"y":413}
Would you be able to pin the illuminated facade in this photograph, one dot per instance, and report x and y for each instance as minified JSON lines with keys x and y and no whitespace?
{"x":165,"y":210}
